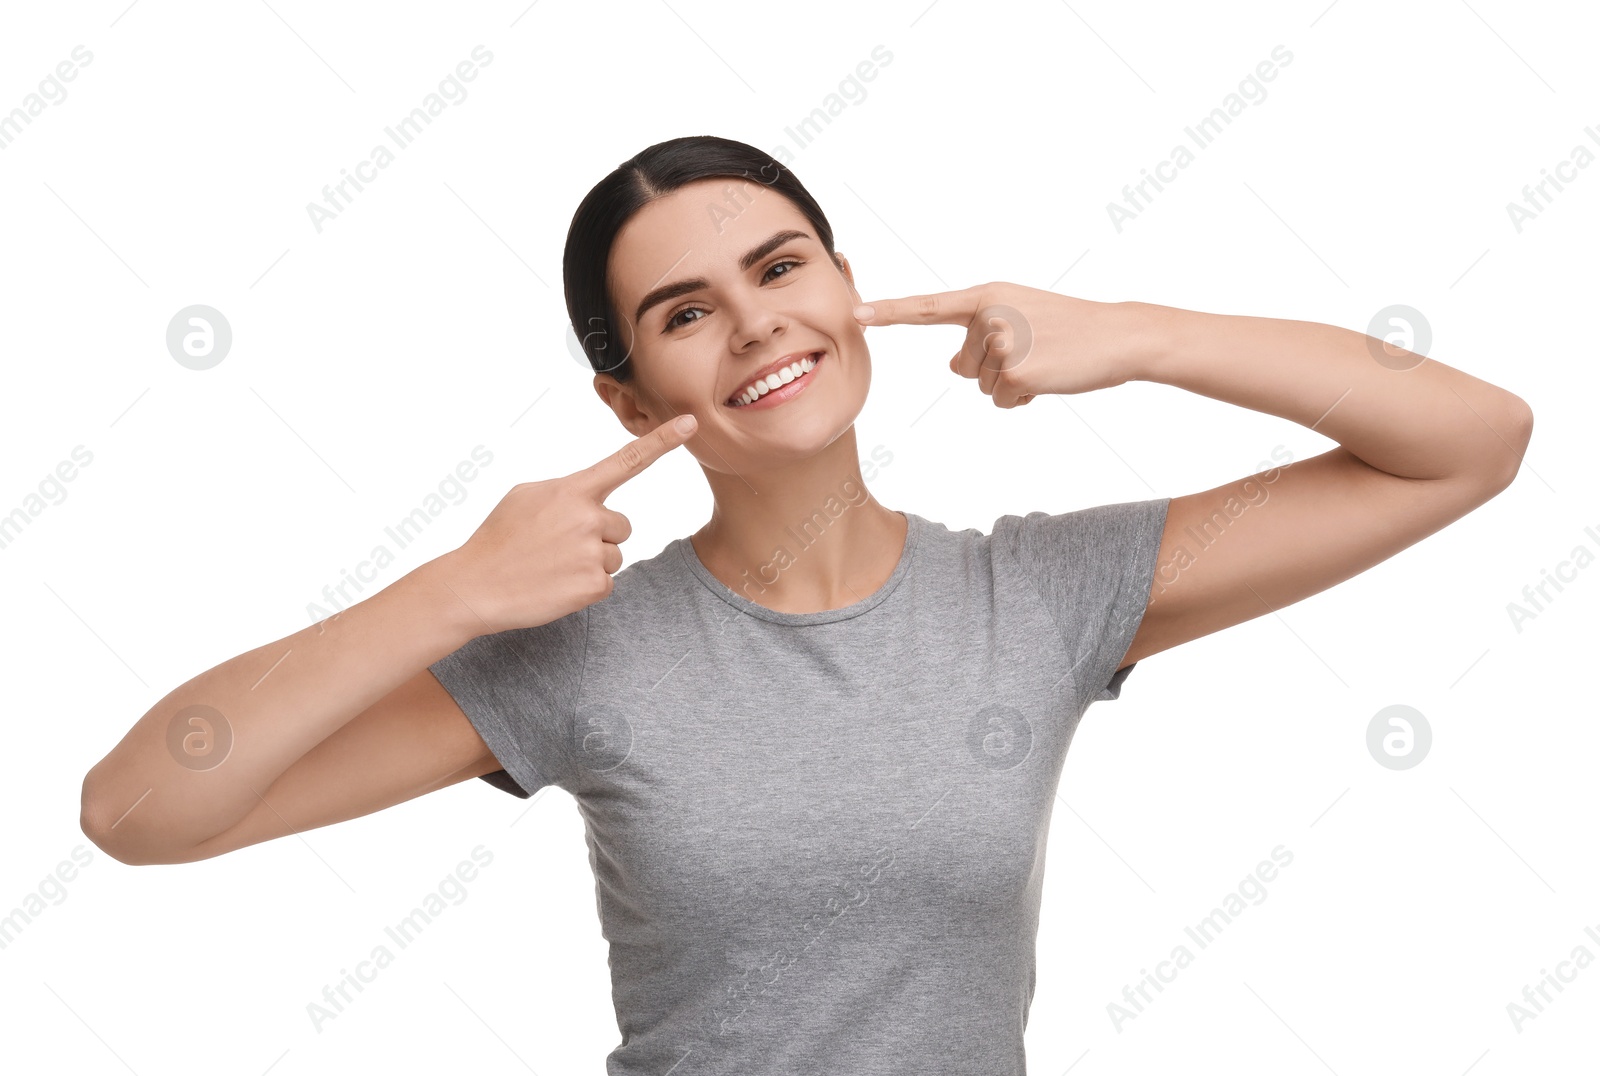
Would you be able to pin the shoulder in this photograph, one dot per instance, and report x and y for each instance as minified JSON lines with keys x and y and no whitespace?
{"x":1102,"y":531}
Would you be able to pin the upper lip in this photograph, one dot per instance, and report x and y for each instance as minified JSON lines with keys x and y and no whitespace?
{"x":771,"y":368}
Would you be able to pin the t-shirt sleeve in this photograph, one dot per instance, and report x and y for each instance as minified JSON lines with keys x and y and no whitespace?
{"x":520,"y":690}
{"x":1093,"y":569}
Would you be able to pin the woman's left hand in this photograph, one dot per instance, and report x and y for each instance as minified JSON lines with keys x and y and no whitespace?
{"x":1022,"y":341}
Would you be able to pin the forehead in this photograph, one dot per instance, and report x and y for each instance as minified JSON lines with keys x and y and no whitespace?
{"x":700,"y":229}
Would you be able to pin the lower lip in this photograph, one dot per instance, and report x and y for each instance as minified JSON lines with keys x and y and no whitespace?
{"x":785,"y":392}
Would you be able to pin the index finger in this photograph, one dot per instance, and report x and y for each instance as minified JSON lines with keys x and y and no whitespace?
{"x":632,"y":458}
{"x":938,"y":308}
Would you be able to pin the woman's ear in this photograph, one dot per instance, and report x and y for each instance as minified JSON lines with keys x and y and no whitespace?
{"x":844,"y":270}
{"x":619,"y":397}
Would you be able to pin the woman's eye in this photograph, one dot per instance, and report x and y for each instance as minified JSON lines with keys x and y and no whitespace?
{"x":673,"y":322}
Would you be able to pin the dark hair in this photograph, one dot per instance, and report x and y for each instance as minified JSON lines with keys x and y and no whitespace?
{"x":636,"y":182}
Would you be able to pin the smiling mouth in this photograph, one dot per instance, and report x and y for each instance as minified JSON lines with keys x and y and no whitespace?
{"x":799,"y":373}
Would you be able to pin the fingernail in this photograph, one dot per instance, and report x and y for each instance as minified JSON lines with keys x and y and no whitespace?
{"x":685,"y":424}
{"x":864,"y":312}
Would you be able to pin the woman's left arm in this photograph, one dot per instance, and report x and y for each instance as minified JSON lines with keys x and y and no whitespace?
{"x":1421,"y":444}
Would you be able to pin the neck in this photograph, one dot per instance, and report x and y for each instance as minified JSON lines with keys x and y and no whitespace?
{"x":803,"y":538}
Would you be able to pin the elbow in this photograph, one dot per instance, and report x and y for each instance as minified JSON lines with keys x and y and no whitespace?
{"x":1504,"y":431}
{"x":101,"y":835}
{"x":97,"y":838}
{"x":99,"y":822}
{"x":1515,"y":429}
{"x":94,"y":827}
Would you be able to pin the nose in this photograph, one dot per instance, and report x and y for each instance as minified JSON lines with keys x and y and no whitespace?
{"x":754,"y":322}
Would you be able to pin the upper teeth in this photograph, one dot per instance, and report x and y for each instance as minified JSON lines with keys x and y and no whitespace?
{"x":760,"y":387}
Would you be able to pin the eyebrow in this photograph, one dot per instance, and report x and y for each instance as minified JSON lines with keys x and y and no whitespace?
{"x":668,"y":292}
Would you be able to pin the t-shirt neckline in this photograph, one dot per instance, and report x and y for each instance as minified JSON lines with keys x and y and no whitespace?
{"x":691,"y":559}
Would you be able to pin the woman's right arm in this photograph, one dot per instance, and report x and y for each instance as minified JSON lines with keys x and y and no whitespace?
{"x":344,"y":717}
{"x":338,"y":720}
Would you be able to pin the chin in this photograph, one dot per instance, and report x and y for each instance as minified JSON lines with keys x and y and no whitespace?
{"x":816,"y":433}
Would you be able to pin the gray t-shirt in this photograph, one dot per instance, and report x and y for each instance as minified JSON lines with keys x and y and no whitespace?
{"x":818,"y":839}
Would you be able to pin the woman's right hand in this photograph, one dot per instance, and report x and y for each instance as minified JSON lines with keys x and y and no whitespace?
{"x":549,"y":548}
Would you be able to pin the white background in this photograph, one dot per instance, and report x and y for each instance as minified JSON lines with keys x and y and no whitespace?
{"x":369,"y":359}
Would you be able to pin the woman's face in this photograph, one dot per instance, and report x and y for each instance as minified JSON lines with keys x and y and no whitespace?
{"x":709,"y":293}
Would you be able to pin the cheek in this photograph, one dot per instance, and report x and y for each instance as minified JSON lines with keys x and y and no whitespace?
{"x":855,"y":343}
{"x":681,"y":376}
{"x":845,"y":331}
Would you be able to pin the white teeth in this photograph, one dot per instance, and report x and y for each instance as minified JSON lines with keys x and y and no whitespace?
{"x":772,"y":381}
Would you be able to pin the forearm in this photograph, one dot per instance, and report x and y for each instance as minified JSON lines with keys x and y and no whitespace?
{"x":162,"y":789}
{"x":1427,"y":422}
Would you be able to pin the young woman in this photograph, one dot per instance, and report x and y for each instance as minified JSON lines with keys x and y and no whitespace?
{"x":815,"y":744}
